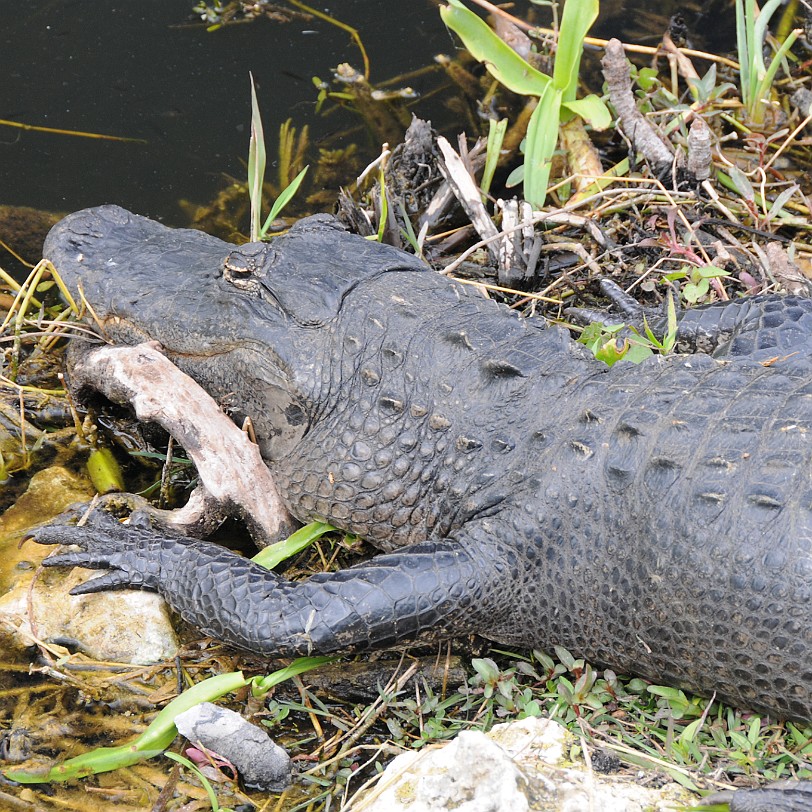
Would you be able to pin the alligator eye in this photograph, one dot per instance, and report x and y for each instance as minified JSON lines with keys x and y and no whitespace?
{"x":239,"y":271}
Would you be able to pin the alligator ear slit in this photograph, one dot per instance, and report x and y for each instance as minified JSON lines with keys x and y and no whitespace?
{"x":499,"y":368}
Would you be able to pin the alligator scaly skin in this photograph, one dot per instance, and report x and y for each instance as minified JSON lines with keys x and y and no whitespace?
{"x":656,"y":519}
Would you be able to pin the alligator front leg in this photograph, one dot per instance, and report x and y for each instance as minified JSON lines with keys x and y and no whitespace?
{"x":758,"y":326}
{"x":426,"y":587}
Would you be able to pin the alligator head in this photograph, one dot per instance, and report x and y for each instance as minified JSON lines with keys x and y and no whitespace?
{"x":248,"y":322}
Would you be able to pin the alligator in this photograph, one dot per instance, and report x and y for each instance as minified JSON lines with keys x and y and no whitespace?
{"x":655,"y":519}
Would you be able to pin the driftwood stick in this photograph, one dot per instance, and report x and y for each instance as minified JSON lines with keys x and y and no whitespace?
{"x":700,"y":158}
{"x":644,"y":138}
{"x":465,"y":190}
{"x":232,"y":472}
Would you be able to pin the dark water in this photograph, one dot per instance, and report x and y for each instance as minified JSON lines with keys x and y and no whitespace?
{"x":150,"y":70}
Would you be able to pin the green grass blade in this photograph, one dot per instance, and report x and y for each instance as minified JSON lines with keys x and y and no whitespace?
{"x":763,"y":90}
{"x":154,"y":740}
{"x":542,"y":137}
{"x":502,"y":62}
{"x":496,"y":135}
{"x":407,"y":232}
{"x":384,"y":205}
{"x":261,"y":685}
{"x":284,"y":198}
{"x":274,"y":554}
{"x":256,"y":164}
{"x":742,"y":51}
{"x":575,"y":23}
{"x":760,"y":32}
{"x":215,"y":806}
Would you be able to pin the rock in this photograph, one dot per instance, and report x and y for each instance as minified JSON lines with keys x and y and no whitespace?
{"x":262,"y":763}
{"x":125,"y":627}
{"x":516,"y":767}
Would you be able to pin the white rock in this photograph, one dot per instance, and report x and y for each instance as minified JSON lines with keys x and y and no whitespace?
{"x":516,"y":767}
{"x":124,"y":627}
{"x":261,"y":762}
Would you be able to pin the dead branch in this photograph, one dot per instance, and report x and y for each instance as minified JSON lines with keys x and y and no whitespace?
{"x":644,"y":138}
{"x":230,"y":467}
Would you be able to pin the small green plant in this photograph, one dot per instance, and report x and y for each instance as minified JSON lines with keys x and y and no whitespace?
{"x":699,"y":281}
{"x":256,"y":176}
{"x":756,"y":78}
{"x":608,"y":346}
{"x":706,"y":91}
{"x":557,"y":101}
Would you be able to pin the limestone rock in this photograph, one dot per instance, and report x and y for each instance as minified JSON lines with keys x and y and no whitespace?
{"x":128,"y":627}
{"x":516,"y":767}
{"x":262,"y":763}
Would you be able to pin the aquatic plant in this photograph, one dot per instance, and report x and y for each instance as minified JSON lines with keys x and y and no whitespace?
{"x":256,"y":176}
{"x":756,"y":77}
{"x":557,"y":102}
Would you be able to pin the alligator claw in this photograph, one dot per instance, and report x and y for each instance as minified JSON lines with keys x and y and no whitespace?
{"x":115,"y":579}
{"x":130,"y":552}
{"x":632,"y":313}
{"x":626,"y":304}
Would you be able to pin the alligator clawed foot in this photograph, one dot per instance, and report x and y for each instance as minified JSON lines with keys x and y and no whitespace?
{"x":630,"y":312}
{"x":129,"y":551}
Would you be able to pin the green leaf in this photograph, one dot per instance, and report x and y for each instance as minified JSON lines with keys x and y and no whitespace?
{"x":565,"y":657}
{"x":592,"y":109}
{"x":647,"y":79}
{"x":739,"y":741}
{"x":384,"y":219}
{"x":637,"y":352}
{"x":542,"y":137}
{"x":496,"y":135}
{"x":592,"y":335}
{"x":104,"y":471}
{"x":670,"y":337}
{"x":781,"y":201}
{"x":667,"y":692}
{"x":754,"y":729}
{"x":702,"y":88}
{"x":689,"y":734}
{"x":256,"y":164}
{"x":274,"y":554}
{"x":284,"y":198}
{"x":742,"y":183}
{"x":261,"y":685}
{"x":486,"y":668}
{"x":576,"y":21}
{"x":501,"y":61}
{"x":694,"y":292}
{"x":710,"y":272}
{"x":515,"y":177}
